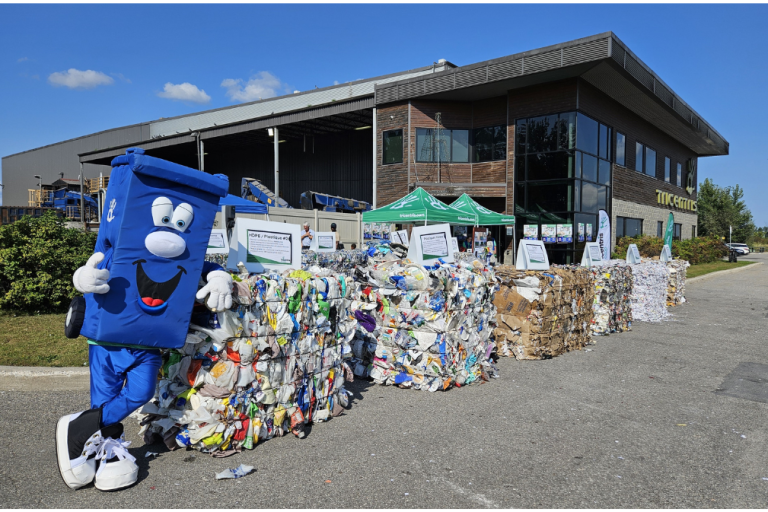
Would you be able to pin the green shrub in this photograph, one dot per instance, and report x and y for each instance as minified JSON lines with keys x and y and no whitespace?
{"x":694,"y":250}
{"x":38,"y":257}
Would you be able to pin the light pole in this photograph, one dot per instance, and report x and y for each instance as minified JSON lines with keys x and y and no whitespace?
{"x":40,"y":196}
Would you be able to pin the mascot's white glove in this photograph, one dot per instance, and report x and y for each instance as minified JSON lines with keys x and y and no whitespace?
{"x":218,"y":290}
{"x":89,"y":279}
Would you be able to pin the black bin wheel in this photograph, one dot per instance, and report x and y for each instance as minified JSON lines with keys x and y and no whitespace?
{"x":75,"y":318}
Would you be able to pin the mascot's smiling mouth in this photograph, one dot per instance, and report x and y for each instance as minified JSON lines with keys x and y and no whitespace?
{"x":153,"y":296}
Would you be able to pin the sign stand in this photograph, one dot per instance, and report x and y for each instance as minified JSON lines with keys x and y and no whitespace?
{"x":263,"y":245}
{"x":593,"y":255}
{"x":430,"y":243}
{"x":666,"y":254}
{"x":531,"y":255}
{"x":218,"y":243}
{"x":633,"y":255}
{"x":323,"y":241}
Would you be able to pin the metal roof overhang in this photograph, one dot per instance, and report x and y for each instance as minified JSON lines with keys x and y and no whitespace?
{"x":601,"y":60}
{"x":336,"y":117}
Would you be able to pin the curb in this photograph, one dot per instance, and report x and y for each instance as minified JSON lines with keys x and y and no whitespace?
{"x":42,"y":371}
{"x":719,"y":273}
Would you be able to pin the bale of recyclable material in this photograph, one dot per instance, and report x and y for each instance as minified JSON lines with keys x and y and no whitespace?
{"x":650,"y":280}
{"x":542,"y":314}
{"x":676,"y":286}
{"x":273,"y":363}
{"x":426,"y":328}
{"x":613,"y":298}
{"x":338,"y":261}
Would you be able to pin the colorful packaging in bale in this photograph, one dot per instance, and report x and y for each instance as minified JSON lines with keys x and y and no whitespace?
{"x":268,"y":366}
{"x":542,"y":314}
{"x":423,"y":328}
{"x":676,"y":287}
{"x":613,"y":298}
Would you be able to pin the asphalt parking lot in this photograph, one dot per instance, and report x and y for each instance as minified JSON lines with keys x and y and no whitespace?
{"x":667,"y":415}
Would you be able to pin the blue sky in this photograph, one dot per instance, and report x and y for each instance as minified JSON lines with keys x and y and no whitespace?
{"x":152,"y":61}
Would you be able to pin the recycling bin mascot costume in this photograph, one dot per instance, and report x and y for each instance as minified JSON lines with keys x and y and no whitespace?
{"x":139,"y":288}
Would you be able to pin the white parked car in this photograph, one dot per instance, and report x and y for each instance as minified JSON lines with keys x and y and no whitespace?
{"x":739,"y":248}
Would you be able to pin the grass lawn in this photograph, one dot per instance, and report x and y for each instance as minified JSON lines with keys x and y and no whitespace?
{"x":706,"y":268}
{"x":39,"y":341}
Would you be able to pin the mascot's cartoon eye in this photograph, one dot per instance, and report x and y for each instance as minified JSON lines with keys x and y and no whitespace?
{"x":162,"y":211}
{"x":182,"y":216}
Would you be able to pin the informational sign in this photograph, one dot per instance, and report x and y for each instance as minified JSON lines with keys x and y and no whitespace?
{"x":261,"y":245}
{"x":589,"y":232}
{"x":592,"y":255}
{"x":531,"y":255}
{"x":604,"y":233}
{"x":549,"y":233}
{"x":376,"y":231}
{"x":564,"y":233}
{"x":455,"y":244}
{"x":633,"y":255}
{"x":323,"y":241}
{"x":510,"y":230}
{"x":581,"y":232}
{"x":367,"y":228}
{"x":403,"y":236}
{"x":531,"y":231}
{"x":385,"y":230}
{"x":480,"y":238}
{"x":218,"y":243}
{"x":666,"y":254}
{"x":430,"y":243}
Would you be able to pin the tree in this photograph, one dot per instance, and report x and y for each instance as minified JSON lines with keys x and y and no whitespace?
{"x":720,"y":208}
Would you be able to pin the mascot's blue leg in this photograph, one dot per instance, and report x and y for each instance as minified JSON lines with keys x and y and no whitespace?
{"x":122,"y":380}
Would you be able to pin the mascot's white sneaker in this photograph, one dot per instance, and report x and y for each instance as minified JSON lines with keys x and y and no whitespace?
{"x":78,"y":438}
{"x":117,"y":467}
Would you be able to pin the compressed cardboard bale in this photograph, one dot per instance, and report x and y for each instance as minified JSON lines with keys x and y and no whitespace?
{"x":676,"y":286}
{"x":274,"y":362}
{"x":613,"y":298}
{"x":548,"y":313}
{"x":424,"y":328}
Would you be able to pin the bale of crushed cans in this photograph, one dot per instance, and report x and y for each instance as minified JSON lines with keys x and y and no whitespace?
{"x":542,"y":314}
{"x":676,"y":286}
{"x":426,"y":328}
{"x":273,"y":363}
{"x":613,"y":298}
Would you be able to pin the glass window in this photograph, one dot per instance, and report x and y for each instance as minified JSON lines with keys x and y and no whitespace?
{"x":393,"y":147}
{"x":460,"y":146}
{"x":638,"y":157}
{"x":499,"y":142}
{"x":577,"y":171}
{"x":521,"y":129}
{"x":666,"y":169}
{"x":650,"y":162}
{"x":567,"y":131}
{"x":604,"y":150}
{"x":519,"y":198}
{"x":577,"y":196}
{"x":586,"y":134}
{"x":490,"y":143}
{"x":621,"y":143}
{"x":679,"y":175}
{"x":660,"y":229}
{"x":550,"y":197}
{"x":602,"y":198}
{"x":547,"y":166}
{"x":588,"y":167}
{"x":677,"y":232}
{"x":633,"y":227}
{"x":619,"y":227}
{"x":589,"y":197}
{"x":542,"y":134}
{"x":605,"y":172}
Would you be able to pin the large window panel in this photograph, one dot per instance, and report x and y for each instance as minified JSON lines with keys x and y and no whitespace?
{"x":548,"y":166}
{"x":621,"y":145}
{"x":650,"y":162}
{"x":483,"y":144}
{"x":542,"y":134}
{"x":586,"y":134}
{"x":605,"y":137}
{"x":589,"y":167}
{"x":521,"y":131}
{"x":577,"y":195}
{"x":589,"y":197}
{"x":602,"y":198}
{"x":633,"y":227}
{"x":460,"y":146}
{"x":638,"y":157}
{"x":519,"y":198}
{"x":666,"y":169}
{"x":604,"y":175}
{"x":393,"y":147}
{"x":567,"y":131}
{"x":577,"y":166}
{"x":679,"y":175}
{"x":499,"y":143}
{"x":550,"y":197}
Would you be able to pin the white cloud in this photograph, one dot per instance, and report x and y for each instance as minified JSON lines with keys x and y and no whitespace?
{"x":335,"y":82}
{"x":121,"y":77}
{"x":262,"y":85}
{"x":23,"y":59}
{"x":184,"y":92}
{"x":76,"y":79}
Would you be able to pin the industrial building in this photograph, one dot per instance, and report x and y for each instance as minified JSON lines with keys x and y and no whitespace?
{"x":551,"y":135}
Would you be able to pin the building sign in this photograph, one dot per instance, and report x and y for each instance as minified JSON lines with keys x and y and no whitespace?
{"x":690,"y":187}
{"x":669,"y":199}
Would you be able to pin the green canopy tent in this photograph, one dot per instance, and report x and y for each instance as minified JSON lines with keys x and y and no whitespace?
{"x":420,"y":207}
{"x":485,"y":217}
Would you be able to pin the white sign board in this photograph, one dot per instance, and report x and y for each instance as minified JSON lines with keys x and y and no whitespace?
{"x":593,"y":255}
{"x":455,"y":244}
{"x":394,"y":237}
{"x":323,"y":241}
{"x":666,"y":254}
{"x":531,"y":255}
{"x":403,"y":236}
{"x":633,"y":255}
{"x":430,"y":243}
{"x":262,"y":245}
{"x":218,"y":243}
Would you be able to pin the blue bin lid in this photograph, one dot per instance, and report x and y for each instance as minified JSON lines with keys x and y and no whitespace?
{"x":158,"y":168}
